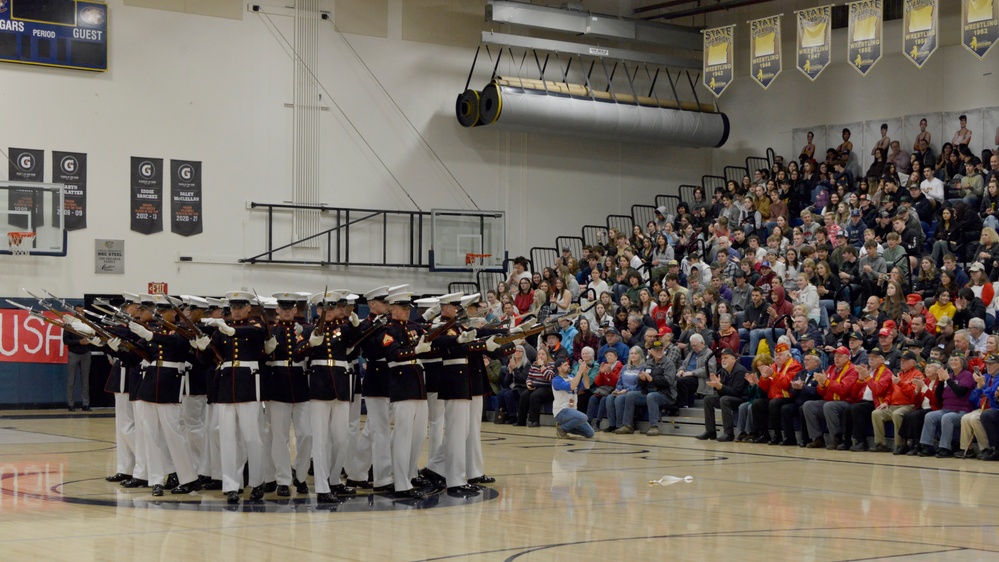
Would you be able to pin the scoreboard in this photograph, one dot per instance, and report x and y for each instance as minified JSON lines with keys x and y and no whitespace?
{"x":62,"y":33}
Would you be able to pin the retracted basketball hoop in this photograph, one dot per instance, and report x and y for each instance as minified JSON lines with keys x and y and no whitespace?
{"x":19,"y":243}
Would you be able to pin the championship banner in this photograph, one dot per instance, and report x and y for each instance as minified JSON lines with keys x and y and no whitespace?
{"x":147,"y":195}
{"x":764,"y":57}
{"x":864,"y":48}
{"x":28,"y":339}
{"x":814,"y":43}
{"x":25,"y":165}
{"x":920,"y":22}
{"x":185,"y":197}
{"x":70,"y":168}
{"x":718,"y":53}
{"x":979,"y":25}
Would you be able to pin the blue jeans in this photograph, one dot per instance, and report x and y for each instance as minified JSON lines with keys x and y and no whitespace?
{"x":654,"y":401}
{"x":509,"y":398}
{"x":596,"y":410}
{"x":763,"y":333}
{"x":621,"y":408}
{"x":946,"y":421}
{"x":743,"y":420}
{"x":574,"y":421}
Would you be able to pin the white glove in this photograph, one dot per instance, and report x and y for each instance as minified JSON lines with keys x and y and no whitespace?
{"x":517,"y":330}
{"x":422,"y":346}
{"x":317,"y":338}
{"x":82,"y":328}
{"x":354,"y":320}
{"x":491,"y":344}
{"x":140,"y":330}
{"x":298,"y":329}
{"x":432,"y":312}
{"x":466,"y":337}
{"x":96,"y":342}
{"x":477,"y":322}
{"x":201,"y":343}
{"x":114,"y":343}
{"x":225,"y":328}
{"x":270,"y":345}
{"x":210,"y":321}
{"x":521,"y":341}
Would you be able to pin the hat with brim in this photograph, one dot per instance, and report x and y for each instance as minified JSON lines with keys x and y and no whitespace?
{"x":236,"y":298}
{"x":378,"y":293}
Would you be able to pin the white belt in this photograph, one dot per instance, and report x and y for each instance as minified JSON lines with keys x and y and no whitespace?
{"x":330,"y":363}
{"x":240,"y":365}
{"x":462,"y":361}
{"x":394,"y":364}
{"x":121,"y":383}
{"x":437,"y":360}
{"x":286,"y":363}
{"x":165,"y":364}
{"x":185,"y":388}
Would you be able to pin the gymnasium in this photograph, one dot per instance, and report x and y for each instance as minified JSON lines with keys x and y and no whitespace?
{"x":467,"y":198}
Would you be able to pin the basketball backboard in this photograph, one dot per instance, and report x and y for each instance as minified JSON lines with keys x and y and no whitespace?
{"x":467,"y":240}
{"x":37,"y":208}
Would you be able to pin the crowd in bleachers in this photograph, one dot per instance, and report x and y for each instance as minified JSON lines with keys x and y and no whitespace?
{"x":809,"y":299}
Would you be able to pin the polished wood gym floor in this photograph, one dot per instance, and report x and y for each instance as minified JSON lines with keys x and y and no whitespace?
{"x":554,"y":500}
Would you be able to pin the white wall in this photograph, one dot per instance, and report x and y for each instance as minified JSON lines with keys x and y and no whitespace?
{"x":210,"y":89}
{"x":953,"y":79}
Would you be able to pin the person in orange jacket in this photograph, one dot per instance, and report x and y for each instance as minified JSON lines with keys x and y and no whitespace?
{"x":775,"y":380}
{"x":898,"y":403}
{"x":836,"y":389}
{"x":872,"y":388}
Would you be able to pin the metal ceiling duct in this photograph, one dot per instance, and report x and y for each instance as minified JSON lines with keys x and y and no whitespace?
{"x":557,"y":108}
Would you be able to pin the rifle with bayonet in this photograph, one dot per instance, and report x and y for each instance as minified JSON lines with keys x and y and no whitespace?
{"x":321,"y":313}
{"x":47,"y":320}
{"x":539,"y":328}
{"x":99,"y":331}
{"x":376,"y":324}
{"x":445,"y":326}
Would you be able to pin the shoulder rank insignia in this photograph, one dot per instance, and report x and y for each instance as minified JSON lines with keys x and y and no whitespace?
{"x":387,"y":340}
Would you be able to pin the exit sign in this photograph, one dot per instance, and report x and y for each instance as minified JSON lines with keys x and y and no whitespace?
{"x":157,"y":288}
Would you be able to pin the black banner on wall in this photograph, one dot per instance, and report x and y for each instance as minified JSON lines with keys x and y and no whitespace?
{"x":147,"y":194}
{"x":70,"y":168}
{"x":185,"y":197}
{"x":27,"y":165}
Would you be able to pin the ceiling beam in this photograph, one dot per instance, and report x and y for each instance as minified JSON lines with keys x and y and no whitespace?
{"x":504,"y":40}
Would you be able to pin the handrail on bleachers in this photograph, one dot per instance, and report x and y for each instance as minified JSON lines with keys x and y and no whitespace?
{"x":671,"y":202}
{"x":589,"y":234}
{"x":574,"y":243}
{"x":771,"y":156}
{"x":754,"y":163}
{"x":642,"y":214}
{"x":735,"y":173}
{"x":489,"y":280}
{"x":543,"y":257}
{"x":623,"y":223}
{"x":711,"y":183}
{"x":467,"y":287}
{"x":687,"y":193}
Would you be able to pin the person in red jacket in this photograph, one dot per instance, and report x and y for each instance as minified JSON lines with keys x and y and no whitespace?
{"x":836,"y":389}
{"x":870,"y":391}
{"x":727,"y":337}
{"x":775,"y":380}
{"x":924,"y":401}
{"x":896,"y":404}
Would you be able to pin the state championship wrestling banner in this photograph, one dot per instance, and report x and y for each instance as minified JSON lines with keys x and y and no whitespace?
{"x":765,"y":55}
{"x":185,"y":197}
{"x":920,"y":22}
{"x":979,"y":25}
{"x":814,"y":40}
{"x":28,"y":339}
{"x":70,"y":168}
{"x":147,"y":194}
{"x":25,"y":165}
{"x":719,"y":50}
{"x":864,"y":48}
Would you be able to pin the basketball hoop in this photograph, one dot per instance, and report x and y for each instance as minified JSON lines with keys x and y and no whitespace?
{"x":15,"y":241}
{"x":476,"y":262}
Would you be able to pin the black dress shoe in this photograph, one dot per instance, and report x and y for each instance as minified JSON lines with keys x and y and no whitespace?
{"x":118,"y":477}
{"x":943,"y":453}
{"x":707,"y":435}
{"x":283,"y":490}
{"x":301,"y":487}
{"x":213,"y":485}
{"x":762,"y":438}
{"x":192,"y":486}
{"x":788,"y":443}
{"x":411,"y":494}
{"x":383,"y":489}
{"x":484,"y":479}
{"x":270,"y":487}
{"x":341,"y":490}
{"x":927,"y":450}
{"x":461,"y":492}
{"x":86,"y":408}
{"x":232,"y":497}
{"x":71,"y":409}
{"x":420,"y":482}
{"x":134,"y":483}
{"x":901,"y":450}
{"x":775,"y":442}
{"x":989,"y":454}
{"x":172,"y":480}
{"x":913,"y":451}
{"x":431,"y":476}
{"x":325,"y":497}
{"x":158,"y":490}
{"x":725,"y":438}
{"x":257,"y":493}
{"x":359,"y":484}
{"x":533,"y":424}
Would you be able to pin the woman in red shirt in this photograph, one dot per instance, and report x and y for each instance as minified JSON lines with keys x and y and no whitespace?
{"x":524,"y":297}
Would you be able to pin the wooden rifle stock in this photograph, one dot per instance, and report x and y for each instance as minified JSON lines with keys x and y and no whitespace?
{"x":440,"y":330}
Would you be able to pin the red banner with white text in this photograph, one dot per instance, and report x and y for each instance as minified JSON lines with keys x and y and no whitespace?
{"x":28,"y":339}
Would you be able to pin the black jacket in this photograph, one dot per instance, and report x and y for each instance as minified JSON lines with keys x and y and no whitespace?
{"x":733,"y":383}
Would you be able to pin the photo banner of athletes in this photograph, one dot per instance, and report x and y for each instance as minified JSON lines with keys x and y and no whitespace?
{"x":937,"y":128}
{"x":765,"y":57}
{"x":864,"y":47}
{"x":70,"y":168}
{"x":719,"y":52}
{"x":979,"y":25}
{"x":147,"y":195}
{"x":25,"y":165}
{"x":920,"y":22}
{"x":185,"y":197}
{"x":813,"y":46}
